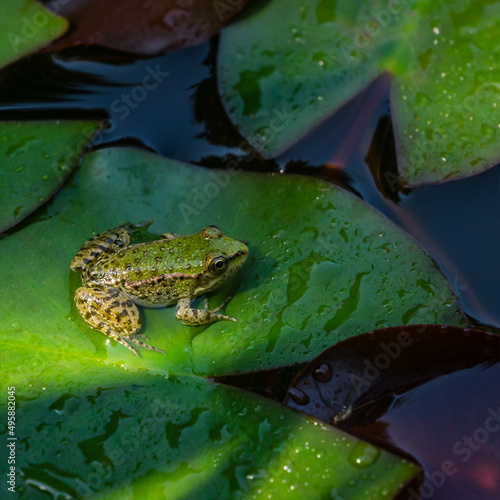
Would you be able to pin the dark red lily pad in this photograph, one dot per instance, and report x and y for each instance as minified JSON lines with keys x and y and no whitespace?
{"x":429,"y":392}
{"x":145,"y":28}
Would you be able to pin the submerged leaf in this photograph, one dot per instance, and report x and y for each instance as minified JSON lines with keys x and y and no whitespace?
{"x":26,"y":27}
{"x":323,"y":266}
{"x":145,"y":29}
{"x":35,"y":159}
{"x":311,"y":58}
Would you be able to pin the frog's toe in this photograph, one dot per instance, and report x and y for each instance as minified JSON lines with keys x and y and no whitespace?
{"x":137,"y":225}
{"x":120,"y":340}
{"x":224,"y":304}
{"x":146,"y":346}
{"x":221,"y":317}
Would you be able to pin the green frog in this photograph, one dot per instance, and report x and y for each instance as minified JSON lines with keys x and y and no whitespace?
{"x":118,"y":276}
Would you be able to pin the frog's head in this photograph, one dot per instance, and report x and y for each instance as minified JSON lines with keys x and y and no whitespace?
{"x":224,"y":257}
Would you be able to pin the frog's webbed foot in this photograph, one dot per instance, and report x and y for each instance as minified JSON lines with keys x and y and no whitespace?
{"x":224,"y":304}
{"x":111,"y":312}
{"x":108,"y":242}
{"x":196,"y":317}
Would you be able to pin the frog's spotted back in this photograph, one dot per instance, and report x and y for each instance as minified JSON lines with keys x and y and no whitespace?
{"x":117,"y":276}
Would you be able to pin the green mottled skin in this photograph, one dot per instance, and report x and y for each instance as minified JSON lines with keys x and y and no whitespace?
{"x":175,"y":269}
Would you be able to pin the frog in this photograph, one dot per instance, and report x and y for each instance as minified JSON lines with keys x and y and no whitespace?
{"x":118,"y":276}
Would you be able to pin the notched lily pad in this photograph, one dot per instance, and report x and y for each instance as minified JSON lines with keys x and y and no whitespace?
{"x":134,"y":27}
{"x":424,"y":391}
{"x":26,"y":27}
{"x":311,"y":58}
{"x":323,"y":266}
{"x":35,"y":160}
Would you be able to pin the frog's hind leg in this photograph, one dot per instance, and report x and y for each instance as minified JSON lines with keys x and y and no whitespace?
{"x":195,"y":317}
{"x":108,"y":242}
{"x":111,"y":312}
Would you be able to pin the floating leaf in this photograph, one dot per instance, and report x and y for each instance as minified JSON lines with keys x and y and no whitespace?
{"x":423,"y":390}
{"x":311,"y":58}
{"x":163,"y":25}
{"x":26,"y":27}
{"x":323,"y":266}
{"x":98,"y":430}
{"x":35,"y":159}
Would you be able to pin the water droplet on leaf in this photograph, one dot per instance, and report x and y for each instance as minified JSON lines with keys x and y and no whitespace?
{"x":363,"y":455}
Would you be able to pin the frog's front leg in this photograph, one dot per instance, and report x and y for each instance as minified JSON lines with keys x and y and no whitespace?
{"x":111,"y":312}
{"x":196,"y":317}
{"x":109,"y":242}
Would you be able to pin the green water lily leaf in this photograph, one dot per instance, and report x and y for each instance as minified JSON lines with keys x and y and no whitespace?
{"x":26,"y":27}
{"x":115,"y":434}
{"x":323,"y":266}
{"x":35,"y":159}
{"x":310,"y":58}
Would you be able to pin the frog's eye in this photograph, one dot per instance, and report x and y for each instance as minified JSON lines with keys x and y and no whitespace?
{"x":211,"y":232}
{"x":218,"y":264}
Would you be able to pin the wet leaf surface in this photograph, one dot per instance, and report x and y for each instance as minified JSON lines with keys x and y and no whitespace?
{"x":310,"y":59}
{"x":428,"y":392}
{"x":26,"y":27}
{"x":320,"y":269}
{"x":99,"y":430}
{"x":148,"y":27}
{"x":35,"y":159}
{"x":92,"y":419}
